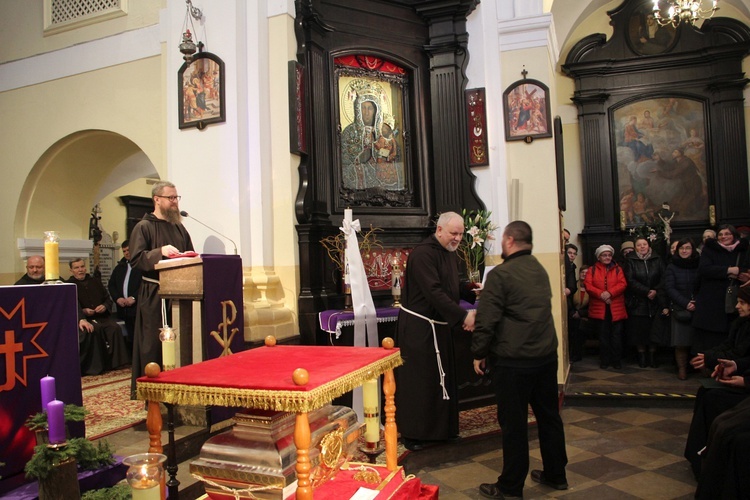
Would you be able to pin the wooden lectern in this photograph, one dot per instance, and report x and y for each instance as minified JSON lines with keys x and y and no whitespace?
{"x":181,"y":280}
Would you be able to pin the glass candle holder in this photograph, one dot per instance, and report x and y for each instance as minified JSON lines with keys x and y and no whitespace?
{"x":51,"y":256}
{"x":146,"y":475}
{"x":168,"y":335}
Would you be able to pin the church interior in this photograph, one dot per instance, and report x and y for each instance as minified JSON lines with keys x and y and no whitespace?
{"x":591,"y":116}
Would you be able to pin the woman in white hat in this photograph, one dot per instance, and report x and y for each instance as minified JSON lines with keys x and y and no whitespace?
{"x":606,"y":284}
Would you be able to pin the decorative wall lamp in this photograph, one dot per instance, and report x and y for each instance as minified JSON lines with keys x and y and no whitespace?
{"x":675,"y":11}
{"x":187,"y":46}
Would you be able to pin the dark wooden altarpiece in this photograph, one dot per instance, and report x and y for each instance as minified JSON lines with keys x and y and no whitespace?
{"x":403,"y":61}
{"x":641,"y":95}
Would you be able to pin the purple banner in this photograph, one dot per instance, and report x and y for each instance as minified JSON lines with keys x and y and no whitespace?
{"x":38,"y":337}
{"x":222,"y":312}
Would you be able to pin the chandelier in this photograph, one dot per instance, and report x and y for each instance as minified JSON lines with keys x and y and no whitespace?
{"x":675,"y":11}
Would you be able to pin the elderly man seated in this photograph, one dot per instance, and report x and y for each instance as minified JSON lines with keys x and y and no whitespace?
{"x":34,"y":271}
{"x":100,"y":340}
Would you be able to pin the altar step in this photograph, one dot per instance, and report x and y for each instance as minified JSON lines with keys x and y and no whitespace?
{"x":629,"y":386}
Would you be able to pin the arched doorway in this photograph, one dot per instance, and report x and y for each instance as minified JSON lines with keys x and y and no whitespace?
{"x":81,"y":170}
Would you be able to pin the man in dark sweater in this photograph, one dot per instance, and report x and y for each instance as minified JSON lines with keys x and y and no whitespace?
{"x":123,"y":288}
{"x":514,"y":339}
{"x":95,"y":321}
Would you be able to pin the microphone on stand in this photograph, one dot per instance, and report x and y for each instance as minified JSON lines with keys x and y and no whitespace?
{"x":185,"y":214}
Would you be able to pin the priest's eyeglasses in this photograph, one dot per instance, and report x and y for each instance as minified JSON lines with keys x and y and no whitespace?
{"x":170,"y":198}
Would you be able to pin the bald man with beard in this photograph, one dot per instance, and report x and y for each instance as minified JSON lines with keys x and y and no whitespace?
{"x":34,"y":271}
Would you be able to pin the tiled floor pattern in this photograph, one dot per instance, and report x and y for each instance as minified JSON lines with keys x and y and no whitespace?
{"x":624,"y":448}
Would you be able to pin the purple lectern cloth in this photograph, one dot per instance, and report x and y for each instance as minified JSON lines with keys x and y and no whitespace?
{"x":38,"y":337}
{"x":222,"y":284}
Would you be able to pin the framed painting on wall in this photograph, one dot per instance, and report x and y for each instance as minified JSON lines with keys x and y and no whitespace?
{"x":659,"y":152}
{"x":527,"y":111}
{"x":200,"y":91}
{"x":372,"y":119}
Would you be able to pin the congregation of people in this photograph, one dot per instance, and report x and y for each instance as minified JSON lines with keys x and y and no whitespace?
{"x":694,"y":304}
{"x":637,"y":304}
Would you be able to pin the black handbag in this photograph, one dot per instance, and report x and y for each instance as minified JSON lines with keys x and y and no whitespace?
{"x":681,"y":315}
{"x":730,"y":299}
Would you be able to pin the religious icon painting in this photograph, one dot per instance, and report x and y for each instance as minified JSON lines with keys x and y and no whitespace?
{"x":660,"y":152}
{"x":527,"y":111}
{"x":373,"y":156}
{"x":201,"y":91}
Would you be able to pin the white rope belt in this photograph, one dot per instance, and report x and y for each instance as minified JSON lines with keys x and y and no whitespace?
{"x":150,"y":280}
{"x":432,"y":323}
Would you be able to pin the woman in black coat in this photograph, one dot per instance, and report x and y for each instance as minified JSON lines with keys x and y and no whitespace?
{"x":680,"y":282}
{"x":723,"y":259}
{"x":645,"y":300}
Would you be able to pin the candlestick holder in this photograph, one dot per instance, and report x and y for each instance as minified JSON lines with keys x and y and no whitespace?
{"x":62,"y":480}
{"x":396,"y":274}
{"x":348,"y":304}
{"x":145,"y":475}
{"x":372,"y":450}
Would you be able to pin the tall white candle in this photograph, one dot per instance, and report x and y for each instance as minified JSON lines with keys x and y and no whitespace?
{"x":348,"y":214}
{"x":371,"y":403}
{"x":168,"y":354}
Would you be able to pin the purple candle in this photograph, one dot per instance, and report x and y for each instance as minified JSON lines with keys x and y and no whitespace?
{"x":56,"y":421}
{"x":48,"y":391}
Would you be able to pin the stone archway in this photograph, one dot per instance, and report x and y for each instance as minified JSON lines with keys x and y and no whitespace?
{"x":74,"y":174}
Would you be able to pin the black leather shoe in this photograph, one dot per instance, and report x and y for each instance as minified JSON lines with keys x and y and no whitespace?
{"x":617,"y":366}
{"x":491,"y":490}
{"x":538,"y":476}
{"x":413,"y":444}
{"x":642,"y":359}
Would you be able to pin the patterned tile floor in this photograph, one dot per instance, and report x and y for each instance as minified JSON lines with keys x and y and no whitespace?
{"x":620,"y":447}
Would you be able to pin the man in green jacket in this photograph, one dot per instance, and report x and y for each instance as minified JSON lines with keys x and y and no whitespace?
{"x":514,"y":340}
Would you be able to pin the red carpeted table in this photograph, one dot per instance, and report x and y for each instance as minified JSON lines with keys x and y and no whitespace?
{"x":263,"y":378}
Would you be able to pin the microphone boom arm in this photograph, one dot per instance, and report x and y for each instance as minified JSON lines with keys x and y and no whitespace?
{"x":185,"y":214}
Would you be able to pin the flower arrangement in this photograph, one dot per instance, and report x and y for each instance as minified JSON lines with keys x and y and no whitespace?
{"x":656,"y":234}
{"x":475,"y":244}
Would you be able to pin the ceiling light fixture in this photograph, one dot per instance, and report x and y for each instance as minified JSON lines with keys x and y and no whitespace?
{"x":676,"y":11}
{"x":187,"y":46}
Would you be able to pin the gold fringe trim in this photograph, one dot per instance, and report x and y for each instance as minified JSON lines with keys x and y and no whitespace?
{"x":281,"y":400}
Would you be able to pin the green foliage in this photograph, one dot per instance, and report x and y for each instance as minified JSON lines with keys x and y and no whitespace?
{"x":120,"y":491}
{"x":73,"y":413}
{"x":478,"y":229}
{"x":88,"y":457}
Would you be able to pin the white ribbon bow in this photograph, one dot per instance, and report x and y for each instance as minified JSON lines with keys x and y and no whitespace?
{"x":365,"y":318}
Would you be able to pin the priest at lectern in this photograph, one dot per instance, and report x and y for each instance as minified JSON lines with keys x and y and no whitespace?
{"x":159,"y":235}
